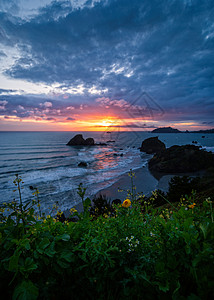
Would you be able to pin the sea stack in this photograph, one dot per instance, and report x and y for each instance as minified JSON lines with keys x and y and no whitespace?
{"x":78,"y":140}
{"x":152,"y":145}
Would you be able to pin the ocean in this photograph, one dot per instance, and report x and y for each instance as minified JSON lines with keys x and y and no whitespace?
{"x":44,"y":161}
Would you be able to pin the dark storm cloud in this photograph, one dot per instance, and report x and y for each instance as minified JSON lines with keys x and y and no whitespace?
{"x":208,"y":123}
{"x":37,"y":108}
{"x":163,"y":47}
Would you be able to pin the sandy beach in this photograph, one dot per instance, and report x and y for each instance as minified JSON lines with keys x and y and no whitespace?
{"x":144,"y":182}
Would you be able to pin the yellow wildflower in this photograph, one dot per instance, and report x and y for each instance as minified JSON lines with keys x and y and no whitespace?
{"x":59,"y":213}
{"x":126,"y":203}
{"x":73,"y":210}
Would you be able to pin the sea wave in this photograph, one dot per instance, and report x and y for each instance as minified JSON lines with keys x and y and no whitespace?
{"x":43,"y":160}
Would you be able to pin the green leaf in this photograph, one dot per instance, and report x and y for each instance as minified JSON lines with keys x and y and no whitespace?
{"x":164,"y":286}
{"x":42,"y":245}
{"x":13,"y":264}
{"x":26,"y":291}
{"x":29,"y":265}
{"x":50,"y":250}
{"x":87,"y":202}
{"x":63,"y":264}
{"x":35,"y":254}
{"x":26,"y":244}
{"x":144,"y":276}
{"x":65,"y":237}
{"x":204,"y":229}
{"x":176,"y":290}
{"x":68,"y":256}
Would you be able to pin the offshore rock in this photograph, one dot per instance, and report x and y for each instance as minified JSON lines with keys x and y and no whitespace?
{"x":89,"y":142}
{"x":78,"y":140}
{"x":152,"y":145}
{"x":82,"y":164}
{"x":166,"y":130}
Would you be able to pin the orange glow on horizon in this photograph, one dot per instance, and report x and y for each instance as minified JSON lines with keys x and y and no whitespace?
{"x":89,"y":122}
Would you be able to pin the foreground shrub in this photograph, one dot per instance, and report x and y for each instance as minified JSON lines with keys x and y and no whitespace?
{"x":101,"y":206}
{"x":135,"y":254}
{"x":181,"y":186}
{"x":158,"y":255}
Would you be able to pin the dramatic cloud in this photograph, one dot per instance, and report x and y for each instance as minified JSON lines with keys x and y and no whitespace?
{"x":2,"y":105}
{"x":46,"y":104}
{"x":98,"y":57}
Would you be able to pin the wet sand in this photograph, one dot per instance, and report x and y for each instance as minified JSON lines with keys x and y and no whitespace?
{"x":144,"y":181}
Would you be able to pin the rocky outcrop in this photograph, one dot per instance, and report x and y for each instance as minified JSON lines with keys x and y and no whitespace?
{"x":166,"y":130}
{"x":82,"y":164}
{"x":181,"y":159}
{"x":118,"y":154}
{"x":89,"y":142}
{"x":204,"y":131}
{"x":152,"y":145}
{"x":78,"y":140}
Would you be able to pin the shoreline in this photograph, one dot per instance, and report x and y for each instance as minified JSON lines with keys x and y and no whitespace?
{"x":144,"y":181}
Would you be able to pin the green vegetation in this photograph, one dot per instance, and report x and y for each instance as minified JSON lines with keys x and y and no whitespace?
{"x":132,"y":251}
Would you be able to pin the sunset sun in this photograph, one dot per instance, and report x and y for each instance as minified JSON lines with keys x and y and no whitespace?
{"x":107,"y":122}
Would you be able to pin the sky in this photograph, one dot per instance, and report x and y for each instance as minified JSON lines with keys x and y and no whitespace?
{"x":106,"y":64}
